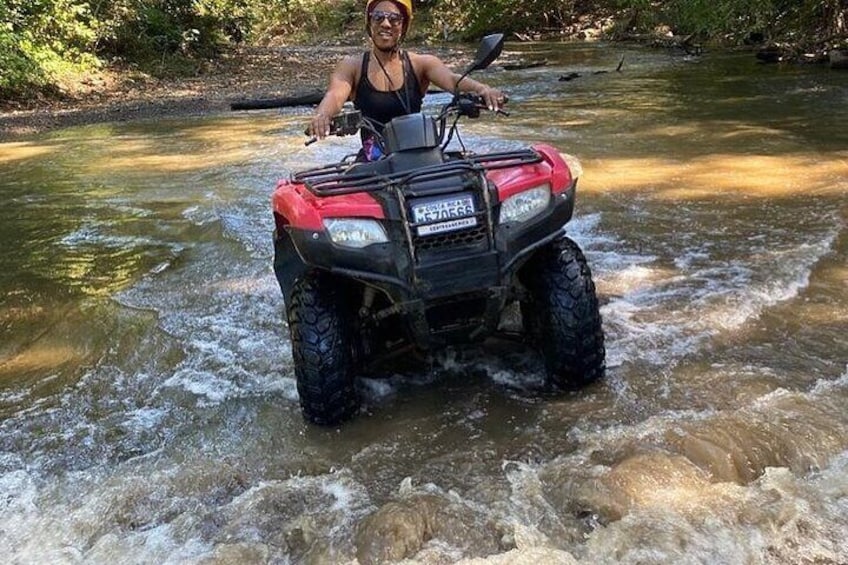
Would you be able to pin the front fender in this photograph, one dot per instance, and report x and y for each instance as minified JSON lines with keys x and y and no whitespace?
{"x":301,"y":209}
{"x":288,"y":266}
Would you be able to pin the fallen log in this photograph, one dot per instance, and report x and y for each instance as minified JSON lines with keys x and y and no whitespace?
{"x":306,"y":99}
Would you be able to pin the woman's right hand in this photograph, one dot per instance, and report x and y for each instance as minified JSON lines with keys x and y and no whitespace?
{"x":319,"y":126}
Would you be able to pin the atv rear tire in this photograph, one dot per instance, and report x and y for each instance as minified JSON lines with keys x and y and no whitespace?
{"x":562,"y":316}
{"x":322,"y":347}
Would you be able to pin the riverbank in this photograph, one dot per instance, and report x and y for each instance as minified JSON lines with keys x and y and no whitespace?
{"x":246,"y":73}
{"x":124,"y":95}
{"x":243,"y":74}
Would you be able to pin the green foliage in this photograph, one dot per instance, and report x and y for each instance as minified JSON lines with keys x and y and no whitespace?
{"x":473,"y":19}
{"x":797,"y":21}
{"x":16,"y":68}
{"x":150,"y":30}
{"x":296,"y":21}
{"x":42,"y":41}
{"x":710,"y":18}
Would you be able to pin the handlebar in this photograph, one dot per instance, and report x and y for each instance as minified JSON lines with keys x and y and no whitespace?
{"x":470,"y":105}
{"x":349,"y":122}
{"x":344,"y":123}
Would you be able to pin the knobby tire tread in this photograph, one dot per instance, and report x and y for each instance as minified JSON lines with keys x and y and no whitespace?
{"x":563,"y":316}
{"x":321,"y":348}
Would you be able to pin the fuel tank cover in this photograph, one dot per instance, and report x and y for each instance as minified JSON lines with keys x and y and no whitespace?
{"x":413,"y":131}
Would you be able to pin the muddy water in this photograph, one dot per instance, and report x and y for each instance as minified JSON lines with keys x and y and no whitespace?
{"x":148,"y":411}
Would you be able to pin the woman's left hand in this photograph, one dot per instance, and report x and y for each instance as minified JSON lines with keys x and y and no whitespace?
{"x":493,"y":98}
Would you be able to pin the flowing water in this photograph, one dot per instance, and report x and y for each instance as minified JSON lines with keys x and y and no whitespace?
{"x":148,"y":410}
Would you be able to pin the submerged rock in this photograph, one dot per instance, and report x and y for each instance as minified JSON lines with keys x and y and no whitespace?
{"x":400,"y":529}
{"x":838,"y":58}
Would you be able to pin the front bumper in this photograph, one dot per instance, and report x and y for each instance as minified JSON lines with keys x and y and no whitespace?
{"x":406,"y":275}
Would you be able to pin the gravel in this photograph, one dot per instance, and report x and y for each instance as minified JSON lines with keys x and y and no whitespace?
{"x":126,"y":95}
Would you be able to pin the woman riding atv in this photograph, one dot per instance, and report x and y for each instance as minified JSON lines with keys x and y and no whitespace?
{"x":426,"y":247}
{"x":387,"y":82}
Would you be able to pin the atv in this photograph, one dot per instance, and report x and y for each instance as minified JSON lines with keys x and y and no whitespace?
{"x":427,"y":247}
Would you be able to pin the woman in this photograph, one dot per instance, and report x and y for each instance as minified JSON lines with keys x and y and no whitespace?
{"x":387,"y":82}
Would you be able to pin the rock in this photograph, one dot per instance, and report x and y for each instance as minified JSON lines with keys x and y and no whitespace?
{"x":754,"y":38}
{"x":396,"y":531}
{"x":400,"y":529}
{"x":838,"y":58}
{"x":568,"y":76}
{"x":773,"y":54}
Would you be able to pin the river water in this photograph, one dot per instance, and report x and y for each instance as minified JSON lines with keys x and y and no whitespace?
{"x":148,"y":411}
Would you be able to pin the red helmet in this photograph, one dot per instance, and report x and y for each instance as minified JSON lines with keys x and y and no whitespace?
{"x":405,"y":7}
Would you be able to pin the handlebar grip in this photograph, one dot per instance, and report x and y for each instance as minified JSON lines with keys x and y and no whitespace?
{"x":312,"y":139}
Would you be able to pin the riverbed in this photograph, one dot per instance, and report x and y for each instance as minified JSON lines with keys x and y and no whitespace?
{"x":148,"y":409}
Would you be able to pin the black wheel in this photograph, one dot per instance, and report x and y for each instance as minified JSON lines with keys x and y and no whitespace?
{"x":322,"y":347}
{"x":561,"y":315}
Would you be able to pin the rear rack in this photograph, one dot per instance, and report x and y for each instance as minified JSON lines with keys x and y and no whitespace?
{"x":337,"y":179}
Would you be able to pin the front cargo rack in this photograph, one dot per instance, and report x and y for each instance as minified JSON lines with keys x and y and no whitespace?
{"x":344,"y":178}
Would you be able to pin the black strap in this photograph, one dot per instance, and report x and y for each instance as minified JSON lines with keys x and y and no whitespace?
{"x":405,"y":100}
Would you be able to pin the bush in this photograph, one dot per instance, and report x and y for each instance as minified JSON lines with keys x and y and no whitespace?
{"x":796,"y":21}
{"x":154,"y":30}
{"x":298,"y":21}
{"x":471,"y":20}
{"x":19,"y":72}
{"x":43,"y":42}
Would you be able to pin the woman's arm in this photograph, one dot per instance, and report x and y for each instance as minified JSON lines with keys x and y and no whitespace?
{"x":436,"y":72}
{"x":339,"y":90}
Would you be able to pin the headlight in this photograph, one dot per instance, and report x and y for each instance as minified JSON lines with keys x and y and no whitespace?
{"x":524,"y":205}
{"x":355,"y":232}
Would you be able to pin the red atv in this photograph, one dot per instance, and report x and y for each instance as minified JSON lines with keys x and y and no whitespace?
{"x":425,"y":248}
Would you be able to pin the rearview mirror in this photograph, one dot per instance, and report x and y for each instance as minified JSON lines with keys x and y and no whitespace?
{"x":490,"y":48}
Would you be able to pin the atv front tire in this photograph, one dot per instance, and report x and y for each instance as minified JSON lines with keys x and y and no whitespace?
{"x":322,"y":347}
{"x":562,"y":316}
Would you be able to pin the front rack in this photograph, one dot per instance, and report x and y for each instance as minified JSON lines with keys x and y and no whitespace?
{"x":337,"y":179}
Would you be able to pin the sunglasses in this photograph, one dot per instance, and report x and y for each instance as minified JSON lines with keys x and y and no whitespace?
{"x":377,"y":17}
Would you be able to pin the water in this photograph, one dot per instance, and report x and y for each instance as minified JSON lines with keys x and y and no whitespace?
{"x":149,"y":410}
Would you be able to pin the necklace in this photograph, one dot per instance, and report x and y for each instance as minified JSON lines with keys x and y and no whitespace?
{"x":405,"y":100}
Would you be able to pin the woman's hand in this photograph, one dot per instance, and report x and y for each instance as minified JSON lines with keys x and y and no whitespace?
{"x":319,"y":126}
{"x":492,"y":97}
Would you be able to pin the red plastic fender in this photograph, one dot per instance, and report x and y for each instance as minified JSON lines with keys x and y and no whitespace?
{"x":553,"y":169}
{"x":298,"y":207}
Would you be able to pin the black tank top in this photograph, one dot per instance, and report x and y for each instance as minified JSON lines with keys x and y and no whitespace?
{"x":383,"y":106}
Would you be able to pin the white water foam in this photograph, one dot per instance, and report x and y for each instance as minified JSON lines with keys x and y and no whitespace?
{"x":661,"y":315}
{"x":92,"y":233}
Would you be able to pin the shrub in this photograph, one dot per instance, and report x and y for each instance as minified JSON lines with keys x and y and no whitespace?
{"x":305,"y":20}
{"x":43,"y":42}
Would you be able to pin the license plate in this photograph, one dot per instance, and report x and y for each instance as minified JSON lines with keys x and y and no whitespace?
{"x":444,"y":214}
